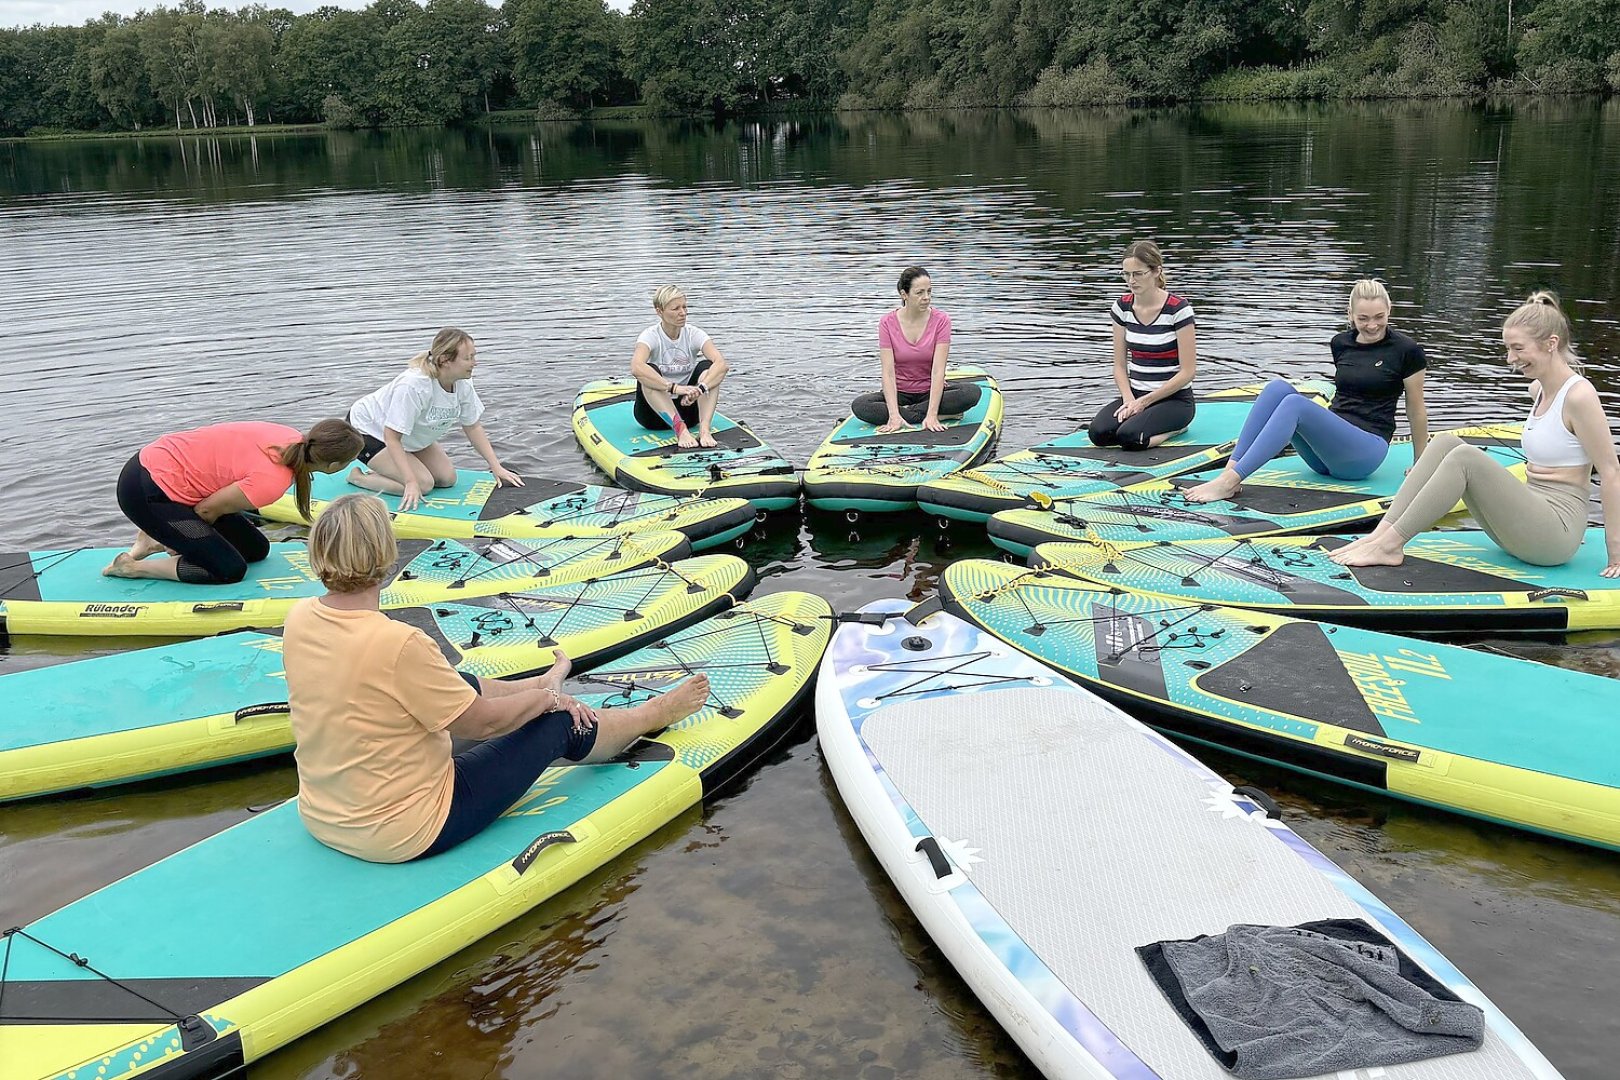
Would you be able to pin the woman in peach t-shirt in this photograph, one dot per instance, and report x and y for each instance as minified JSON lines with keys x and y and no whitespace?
{"x":374,"y":705}
{"x":186,"y":493}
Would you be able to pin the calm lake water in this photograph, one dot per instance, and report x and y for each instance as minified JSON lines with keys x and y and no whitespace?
{"x":148,"y":285}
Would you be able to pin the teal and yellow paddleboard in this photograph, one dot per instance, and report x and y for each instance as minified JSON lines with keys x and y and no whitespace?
{"x":64,"y":592}
{"x":194,"y":704}
{"x":741,"y":467}
{"x":1479,"y":733}
{"x":322,"y":932}
{"x":1284,"y":497}
{"x":474,"y":506}
{"x":1451,"y":582}
{"x":1070,"y":466}
{"x":859,"y":468}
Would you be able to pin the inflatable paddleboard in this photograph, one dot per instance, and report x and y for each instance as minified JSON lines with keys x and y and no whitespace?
{"x":151,"y":712}
{"x":474,"y":506}
{"x":1451,"y":582}
{"x":318,"y":932}
{"x":741,"y":467}
{"x":1041,"y":836}
{"x":1070,"y":466}
{"x":1479,"y":733}
{"x":1284,"y":497}
{"x":858,"y":468}
{"x":64,"y":592}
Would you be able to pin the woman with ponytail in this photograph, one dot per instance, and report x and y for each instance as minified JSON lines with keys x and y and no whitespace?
{"x":1541,"y":520}
{"x":403,"y":422}
{"x":1374,"y":366}
{"x":187,"y":492}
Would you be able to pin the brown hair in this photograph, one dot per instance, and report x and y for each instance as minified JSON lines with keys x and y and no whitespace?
{"x":1147,"y":253}
{"x":446,"y":345}
{"x":352,"y":546}
{"x":330,"y":442}
{"x":908,"y":276}
{"x":1542,"y":317}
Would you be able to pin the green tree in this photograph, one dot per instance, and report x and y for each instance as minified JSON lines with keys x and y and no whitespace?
{"x":439,"y":64}
{"x":331,"y":52}
{"x":1570,"y":44}
{"x":682,"y":55}
{"x":562,"y":50}
{"x":118,"y":76}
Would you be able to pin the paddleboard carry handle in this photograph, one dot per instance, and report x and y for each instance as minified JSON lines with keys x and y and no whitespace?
{"x":1560,"y":593}
{"x":936,"y":857}
{"x":1261,"y":799}
{"x":217,"y":605}
{"x":253,"y":712}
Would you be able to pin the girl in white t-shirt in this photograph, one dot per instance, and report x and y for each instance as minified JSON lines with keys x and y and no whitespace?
{"x":678,"y":371}
{"x":403,"y":421}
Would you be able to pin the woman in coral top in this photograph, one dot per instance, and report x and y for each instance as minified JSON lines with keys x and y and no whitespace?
{"x":186,"y":493}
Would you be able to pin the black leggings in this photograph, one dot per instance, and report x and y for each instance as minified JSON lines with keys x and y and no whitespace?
{"x":1169,"y":414}
{"x":493,"y":775}
{"x":653,"y":420}
{"x":954,"y":400}
{"x":214,"y":553}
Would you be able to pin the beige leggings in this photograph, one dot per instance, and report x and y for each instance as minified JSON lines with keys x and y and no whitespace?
{"x":1538,"y":521}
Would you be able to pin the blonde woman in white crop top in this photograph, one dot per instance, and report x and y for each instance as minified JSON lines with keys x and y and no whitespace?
{"x":1541,"y":520}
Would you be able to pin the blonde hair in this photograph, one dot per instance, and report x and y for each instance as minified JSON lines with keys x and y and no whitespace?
{"x":446,"y":345}
{"x":1541,"y":317}
{"x":664,"y":295}
{"x":1148,"y":254}
{"x":330,"y":442}
{"x":352,"y":546}
{"x":1366,"y":289}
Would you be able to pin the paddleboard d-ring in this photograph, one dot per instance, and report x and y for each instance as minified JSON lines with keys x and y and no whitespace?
{"x":916,"y":643}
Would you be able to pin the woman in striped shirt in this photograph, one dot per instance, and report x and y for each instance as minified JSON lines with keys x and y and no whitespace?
{"x":1155,"y":358}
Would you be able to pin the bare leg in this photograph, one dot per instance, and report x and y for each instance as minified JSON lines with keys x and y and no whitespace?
{"x":617,"y":728}
{"x":145,"y":547}
{"x":126,"y":566}
{"x":384,"y":479}
{"x":550,"y":679}
{"x":1224,"y":486}
{"x":662,"y":403}
{"x":707,"y":404}
{"x":441,"y":470}
{"x":1163,"y":436}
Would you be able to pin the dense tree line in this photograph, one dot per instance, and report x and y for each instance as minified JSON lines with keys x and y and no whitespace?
{"x":400,"y":62}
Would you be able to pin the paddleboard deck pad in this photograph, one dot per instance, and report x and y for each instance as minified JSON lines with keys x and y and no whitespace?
{"x":859,"y":468}
{"x":1283,"y":497}
{"x":740,"y":467}
{"x":1451,"y":582}
{"x":1479,"y":733}
{"x":1041,"y":836}
{"x":475,"y":506}
{"x":329,"y":932}
{"x":64,"y":592}
{"x":1071,"y":466}
{"x":151,"y":712}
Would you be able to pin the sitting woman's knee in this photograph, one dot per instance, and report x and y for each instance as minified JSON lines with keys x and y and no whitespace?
{"x":1134,"y":440}
{"x":443,"y":478}
{"x":1442,"y":445}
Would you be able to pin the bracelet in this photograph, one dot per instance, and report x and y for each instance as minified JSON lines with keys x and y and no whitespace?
{"x":701,"y":388}
{"x":673,"y":387}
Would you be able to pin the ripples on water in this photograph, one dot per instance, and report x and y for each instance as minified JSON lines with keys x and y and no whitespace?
{"x":157,"y":284}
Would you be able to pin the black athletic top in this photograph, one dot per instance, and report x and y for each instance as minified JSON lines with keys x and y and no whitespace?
{"x":1369,"y":379}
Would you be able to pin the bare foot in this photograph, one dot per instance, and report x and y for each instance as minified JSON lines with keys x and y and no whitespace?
{"x":707,"y":440}
{"x":123,"y":565}
{"x":1224,"y":486}
{"x":1370,"y":555}
{"x":561,"y":665}
{"x":144,"y":547}
{"x":681,"y":702}
{"x":684,"y":440}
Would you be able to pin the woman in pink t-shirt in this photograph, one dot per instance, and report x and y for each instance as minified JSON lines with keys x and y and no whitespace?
{"x":914,"y":342}
{"x":186,"y":493}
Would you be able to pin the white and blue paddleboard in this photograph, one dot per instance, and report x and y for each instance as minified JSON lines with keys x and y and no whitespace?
{"x":1041,"y":835}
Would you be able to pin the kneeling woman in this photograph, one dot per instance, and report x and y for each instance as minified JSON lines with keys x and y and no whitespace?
{"x":678,"y":372}
{"x":1542,"y":520}
{"x":404,"y":420}
{"x":1155,"y":358}
{"x":914,"y":345}
{"x":374,"y":705}
{"x":1373,"y":366}
{"x":187,"y":491}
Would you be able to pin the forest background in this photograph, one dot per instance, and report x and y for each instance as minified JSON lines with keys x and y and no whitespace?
{"x":400,"y":63}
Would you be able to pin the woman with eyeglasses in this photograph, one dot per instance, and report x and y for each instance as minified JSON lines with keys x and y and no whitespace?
{"x":1155,"y":358}
{"x":1374,"y":366}
{"x":1542,"y":519}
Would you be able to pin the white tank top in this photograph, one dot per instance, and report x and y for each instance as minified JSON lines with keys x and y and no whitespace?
{"x":1546,"y":441}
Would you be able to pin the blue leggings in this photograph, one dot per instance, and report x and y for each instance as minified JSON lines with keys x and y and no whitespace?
{"x":493,"y":775}
{"x":1329,"y":444}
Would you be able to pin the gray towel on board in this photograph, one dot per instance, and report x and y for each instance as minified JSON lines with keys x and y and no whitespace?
{"x":1279,"y":1002}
